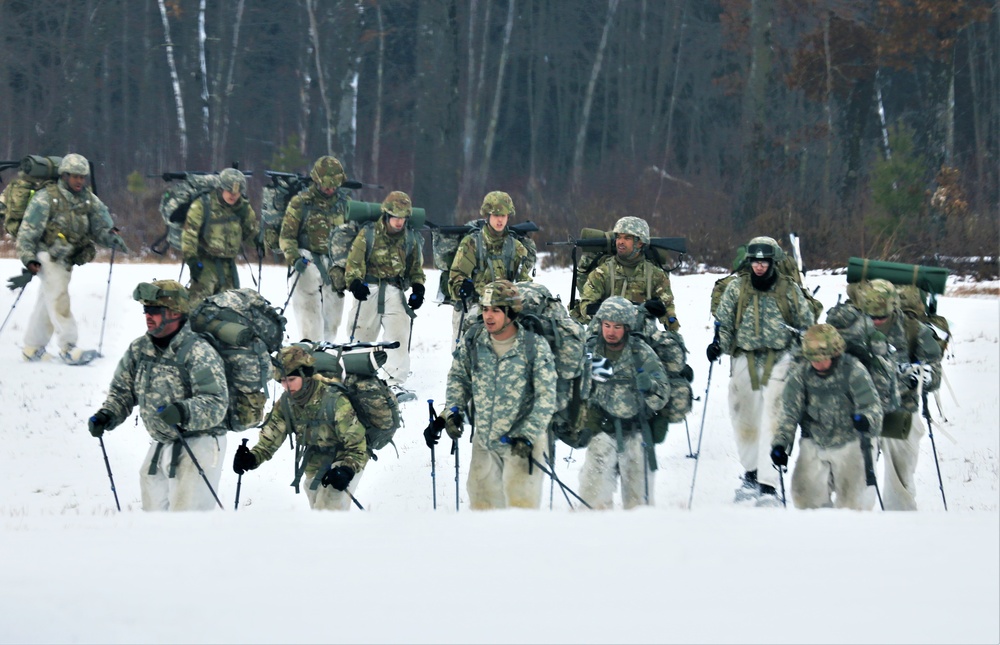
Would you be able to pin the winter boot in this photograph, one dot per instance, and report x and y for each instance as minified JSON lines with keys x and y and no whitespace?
{"x":73,"y":355}
{"x":768,"y":496}
{"x":749,"y":490}
{"x":34,"y":354}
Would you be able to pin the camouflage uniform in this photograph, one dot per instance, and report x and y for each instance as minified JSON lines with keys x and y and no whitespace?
{"x":210,"y":247}
{"x":58,"y":232}
{"x":879,"y":297}
{"x":394,"y":264}
{"x":762,"y":351}
{"x":634,"y":278}
{"x":150,"y":376}
{"x":512,"y":396}
{"x":485,"y":256}
{"x":617,"y":415}
{"x":321,"y":442}
{"x":830,"y":453}
{"x":309,"y":220}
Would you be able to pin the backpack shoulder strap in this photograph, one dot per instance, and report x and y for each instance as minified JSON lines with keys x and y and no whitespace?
{"x":369,"y":231}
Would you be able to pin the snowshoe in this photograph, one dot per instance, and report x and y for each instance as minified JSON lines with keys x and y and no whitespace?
{"x":768,"y":497}
{"x":73,"y":355}
{"x":402,"y":394}
{"x":35,"y":354}
{"x":749,"y":491}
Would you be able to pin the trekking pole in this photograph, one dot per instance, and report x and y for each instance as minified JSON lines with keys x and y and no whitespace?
{"x":687,"y":433}
{"x":930,"y":433}
{"x":354,"y":499}
{"x":250,"y":267}
{"x":354,"y":327}
{"x":454,"y":451}
{"x":194,"y":460}
{"x":239,"y":484}
{"x":461,"y":321}
{"x":781,"y":481}
{"x":704,"y":412}
{"x":16,"y":300}
{"x":107,"y":292}
{"x":434,"y":490}
{"x":552,"y":474}
{"x":866,"y":455}
{"x":107,"y":464}
{"x":295,"y":283}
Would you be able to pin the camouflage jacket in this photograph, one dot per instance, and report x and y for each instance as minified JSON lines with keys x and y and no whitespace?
{"x":638,"y":284}
{"x":309,"y":221}
{"x":227,"y":228}
{"x":923,"y":349}
{"x":65,"y":224}
{"x":392,"y":256}
{"x":825,"y":406}
{"x":340,"y":440}
{"x":152,"y":378}
{"x":485,"y":257}
{"x":619,"y":396}
{"x":510,"y":397}
{"x":761,"y":324}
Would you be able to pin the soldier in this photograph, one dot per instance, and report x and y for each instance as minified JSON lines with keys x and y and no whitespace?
{"x":507,"y":376}
{"x":757,"y":319}
{"x":211,"y":241}
{"x":330,"y":446}
{"x":385,"y":259}
{"x":305,"y":241}
{"x":629,"y":274}
{"x":618,"y":410}
{"x":918,"y":358}
{"x":60,"y":226}
{"x":831,"y":396}
{"x":488,"y":254}
{"x":178,"y":381}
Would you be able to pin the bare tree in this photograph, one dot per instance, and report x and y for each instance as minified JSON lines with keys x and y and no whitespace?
{"x":320,"y":75}
{"x":175,"y":83}
{"x":491,"y":124}
{"x":588,"y":98}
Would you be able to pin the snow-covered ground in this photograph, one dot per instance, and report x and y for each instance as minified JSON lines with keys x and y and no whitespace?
{"x":75,"y":570}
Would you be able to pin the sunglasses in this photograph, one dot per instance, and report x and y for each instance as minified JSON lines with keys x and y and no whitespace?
{"x":153,"y":310}
{"x":879,"y":318}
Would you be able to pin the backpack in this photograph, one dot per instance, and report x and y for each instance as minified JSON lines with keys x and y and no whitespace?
{"x":372,"y":400}
{"x":868,"y":345}
{"x":176,"y":201}
{"x":245,"y":329}
{"x":363,"y":215}
{"x":35,"y":173}
{"x":273,"y":203}
{"x":920,"y":306}
{"x":445,"y":241}
{"x":784,"y":264}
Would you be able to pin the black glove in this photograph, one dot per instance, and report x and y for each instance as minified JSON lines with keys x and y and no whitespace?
{"x":20,"y":281}
{"x":99,"y":422}
{"x":778,"y":456}
{"x":861,"y":423}
{"x":359,"y":289}
{"x":467,"y":289}
{"x":243,"y":460}
{"x":173,"y":414}
{"x":592,"y":308}
{"x":453,"y":425}
{"x":520,"y":447}
{"x":416,"y":296}
{"x":118,"y":243}
{"x":34,"y":266}
{"x":433,"y":431}
{"x":687,"y":373}
{"x":338,"y":477}
{"x":655,"y":307}
{"x":713,"y":352}
{"x":195,"y":266}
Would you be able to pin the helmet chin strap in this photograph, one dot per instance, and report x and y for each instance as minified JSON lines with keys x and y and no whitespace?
{"x":163,"y":325}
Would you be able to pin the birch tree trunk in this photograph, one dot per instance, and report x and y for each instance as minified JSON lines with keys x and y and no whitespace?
{"x":320,"y":76}
{"x":491,"y":126}
{"x":176,"y":84}
{"x":203,"y":69}
{"x":379,"y":73}
{"x":828,"y":114}
{"x":669,"y":136}
{"x":470,"y":122}
{"x":220,"y":128}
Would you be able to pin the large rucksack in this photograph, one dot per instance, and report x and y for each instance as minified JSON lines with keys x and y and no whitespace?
{"x":35,"y":173}
{"x":920,"y":306}
{"x":784,"y":264}
{"x":869,"y":346}
{"x":245,"y":330}
{"x":273,"y":203}
{"x":445,"y":241}
{"x":185,"y":188}
{"x":373,"y":402}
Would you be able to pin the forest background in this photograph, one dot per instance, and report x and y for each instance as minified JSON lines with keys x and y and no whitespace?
{"x":869,"y":127}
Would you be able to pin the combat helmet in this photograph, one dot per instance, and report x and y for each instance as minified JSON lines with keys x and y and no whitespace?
{"x":502,"y":293}
{"x":762,"y":248}
{"x":634,"y":226}
{"x":327,"y":173}
{"x":397,"y":204}
{"x":163,"y":293}
{"x":293,"y":361}
{"x":233,"y":180}
{"x":821,"y":342}
{"x":879,"y":298}
{"x":74,"y":164}
{"x":497,"y":203}
{"x":617,"y":309}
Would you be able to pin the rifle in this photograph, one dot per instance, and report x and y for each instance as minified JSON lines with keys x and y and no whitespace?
{"x":7,"y":165}
{"x":294,"y":179}
{"x":180,"y":175}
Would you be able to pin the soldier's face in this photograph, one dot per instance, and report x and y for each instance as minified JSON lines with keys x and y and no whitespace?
{"x":230,"y":197}
{"x":292,"y":384}
{"x":396,"y":224}
{"x":161,"y":321}
{"x":880,"y":321}
{"x":624,"y":244}
{"x":498,"y":221}
{"x":823,"y":366}
{"x":613,"y":333}
{"x":327,"y":191}
{"x":76,"y":182}
{"x":760,"y":267}
{"x":495,"y":319}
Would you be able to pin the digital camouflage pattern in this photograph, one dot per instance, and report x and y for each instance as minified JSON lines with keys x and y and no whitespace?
{"x":497,"y":203}
{"x":292,"y":358}
{"x":326,"y":441}
{"x":511,"y":397}
{"x":74,"y":164}
{"x":868,"y":345}
{"x":163,"y":293}
{"x":879,"y":298}
{"x":327,"y":173}
{"x":389,"y":259}
{"x":824,"y":406}
{"x":763,"y":248}
{"x":67,"y":225}
{"x":484,"y":256}
{"x":820,"y":342}
{"x":634,"y":226}
{"x":619,"y":396}
{"x":397,"y":204}
{"x":502,"y":293}
{"x":762,"y":324}
{"x":923,"y":348}
{"x":637,"y":284}
{"x":617,"y":310}
{"x":309,"y":223}
{"x":152,"y":379}
{"x":233,"y":180}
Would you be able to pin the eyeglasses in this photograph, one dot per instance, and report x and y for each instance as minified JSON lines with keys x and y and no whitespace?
{"x":879,"y":318}
{"x":153,"y":310}
{"x":760,"y":262}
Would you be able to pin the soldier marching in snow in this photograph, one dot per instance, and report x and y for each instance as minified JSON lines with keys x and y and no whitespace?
{"x":61,"y":225}
{"x":178,"y":381}
{"x":330,"y":441}
{"x":505,"y":376}
{"x":753,"y":318}
{"x":830,"y":395}
{"x":311,"y":216}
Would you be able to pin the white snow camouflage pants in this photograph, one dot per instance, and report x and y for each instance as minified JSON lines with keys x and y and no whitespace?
{"x":754,"y":415}
{"x":899,"y":490}
{"x":458,"y":319}
{"x":52,"y":309}
{"x":328,"y":498}
{"x":603,"y":465}
{"x":394,"y":325}
{"x":186,"y":490}
{"x":820,"y":472}
{"x":318,"y":308}
{"x":499,"y":479}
